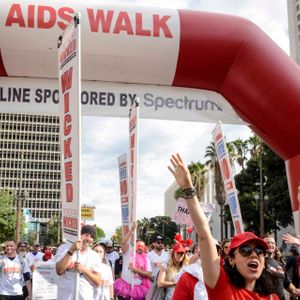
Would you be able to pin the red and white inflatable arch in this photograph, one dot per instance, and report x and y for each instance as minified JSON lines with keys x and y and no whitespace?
{"x":221,"y":53}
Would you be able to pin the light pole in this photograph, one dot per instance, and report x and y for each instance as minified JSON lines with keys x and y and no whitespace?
{"x":19,"y":205}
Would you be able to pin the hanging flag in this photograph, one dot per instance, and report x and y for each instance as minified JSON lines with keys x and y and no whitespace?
{"x":69,"y":76}
{"x":227,"y":175}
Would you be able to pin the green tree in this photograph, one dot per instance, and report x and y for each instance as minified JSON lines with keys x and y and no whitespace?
{"x":7,"y":216}
{"x":240,"y":149}
{"x":99,"y":233}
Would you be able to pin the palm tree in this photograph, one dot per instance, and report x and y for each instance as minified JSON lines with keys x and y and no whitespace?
{"x":198,"y":173}
{"x":240,"y":148}
{"x":213,"y":163}
{"x":255,"y":146}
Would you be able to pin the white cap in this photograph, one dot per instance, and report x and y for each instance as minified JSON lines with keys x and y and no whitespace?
{"x":109,"y":243}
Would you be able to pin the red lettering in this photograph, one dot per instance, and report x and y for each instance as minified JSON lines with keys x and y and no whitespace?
{"x":123,"y":187}
{"x":66,"y":80}
{"x":67,"y":124}
{"x":67,"y":148}
{"x":161,"y":24}
{"x":225,"y":169}
{"x":15,"y":16}
{"x":123,"y":23}
{"x":68,"y":171}
{"x":66,"y":102}
{"x":100,"y":18}
{"x":30,"y":16}
{"x":42,"y":22}
{"x":69,"y":192}
{"x":65,"y":13}
{"x":139,"y":26}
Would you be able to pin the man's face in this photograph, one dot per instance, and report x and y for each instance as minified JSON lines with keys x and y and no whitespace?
{"x":87,"y":240}
{"x":36,"y":248}
{"x":109,"y":249}
{"x":140,"y":247}
{"x":158,"y":245}
{"x":10,"y":248}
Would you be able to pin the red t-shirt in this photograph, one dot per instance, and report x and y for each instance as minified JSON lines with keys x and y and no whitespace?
{"x":225,"y":290}
{"x":185,"y":287}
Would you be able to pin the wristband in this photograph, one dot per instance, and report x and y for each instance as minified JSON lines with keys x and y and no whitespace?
{"x":189,"y":193}
{"x":70,"y":253}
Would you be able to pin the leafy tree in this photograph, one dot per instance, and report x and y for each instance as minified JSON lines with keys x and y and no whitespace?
{"x":239,"y":152}
{"x":117,"y":236}
{"x":99,"y":233}
{"x":160,"y":225}
{"x":7,"y":216}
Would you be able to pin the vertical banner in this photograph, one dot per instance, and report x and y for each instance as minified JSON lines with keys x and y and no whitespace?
{"x":122,"y":161}
{"x":229,"y":183}
{"x":69,"y":69}
{"x":132,"y":178}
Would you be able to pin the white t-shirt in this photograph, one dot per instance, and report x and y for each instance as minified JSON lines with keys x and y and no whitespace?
{"x":66,"y":282}
{"x":31,"y":258}
{"x":157,"y":260}
{"x":113,"y":256}
{"x":103,"y":291}
{"x":127,"y":274}
{"x":11,"y":276}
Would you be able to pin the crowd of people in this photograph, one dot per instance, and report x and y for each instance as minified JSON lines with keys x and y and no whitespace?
{"x":244,"y":267}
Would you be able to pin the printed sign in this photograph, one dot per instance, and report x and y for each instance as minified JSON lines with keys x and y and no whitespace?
{"x":44,"y":281}
{"x":87,"y":213}
{"x":182,"y":214}
{"x":227,"y":175}
{"x":70,"y":128}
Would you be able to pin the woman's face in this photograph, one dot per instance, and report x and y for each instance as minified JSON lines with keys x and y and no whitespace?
{"x":248,"y":262}
{"x":226,"y":248}
{"x":179,"y":256}
{"x":271,"y":243}
{"x":100,"y":251}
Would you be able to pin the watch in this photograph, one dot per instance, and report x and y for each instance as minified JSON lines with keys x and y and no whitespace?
{"x":189,"y":193}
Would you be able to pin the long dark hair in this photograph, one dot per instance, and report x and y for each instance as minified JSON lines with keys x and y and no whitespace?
{"x":266,"y":284}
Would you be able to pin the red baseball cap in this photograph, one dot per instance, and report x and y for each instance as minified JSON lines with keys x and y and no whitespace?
{"x":245,"y":237}
{"x":179,"y":248}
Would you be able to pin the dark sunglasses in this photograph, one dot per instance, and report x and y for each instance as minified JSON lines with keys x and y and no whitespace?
{"x":246,"y":250}
{"x":180,"y":253}
{"x":158,"y":242}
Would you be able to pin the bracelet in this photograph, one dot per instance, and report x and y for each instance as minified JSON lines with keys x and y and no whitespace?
{"x":70,"y":253}
{"x":189,"y":193}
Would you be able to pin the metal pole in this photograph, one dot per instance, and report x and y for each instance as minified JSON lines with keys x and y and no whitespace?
{"x":261,"y":196}
{"x":19,"y":206}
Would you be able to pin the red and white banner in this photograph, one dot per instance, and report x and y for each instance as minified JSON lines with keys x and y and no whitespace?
{"x":182,"y":214}
{"x":227,"y":175}
{"x":122,"y":161}
{"x":132,"y":175}
{"x":70,"y":128}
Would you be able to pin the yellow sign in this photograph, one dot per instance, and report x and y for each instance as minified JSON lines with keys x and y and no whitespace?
{"x":87,"y":213}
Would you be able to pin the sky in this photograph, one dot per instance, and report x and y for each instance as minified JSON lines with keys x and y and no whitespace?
{"x":105,"y":139}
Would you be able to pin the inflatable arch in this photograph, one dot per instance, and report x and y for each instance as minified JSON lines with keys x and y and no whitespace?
{"x":178,"y":48}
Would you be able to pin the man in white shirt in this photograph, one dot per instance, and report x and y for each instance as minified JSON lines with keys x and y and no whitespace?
{"x":14,"y":271}
{"x":158,"y":255}
{"x":34,"y":256}
{"x":110,"y":254}
{"x":87,"y":264}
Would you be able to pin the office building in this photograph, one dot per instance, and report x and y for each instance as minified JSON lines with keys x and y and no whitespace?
{"x":29,"y":154}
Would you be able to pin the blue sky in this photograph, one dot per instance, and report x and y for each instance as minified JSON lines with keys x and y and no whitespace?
{"x":105,"y":139}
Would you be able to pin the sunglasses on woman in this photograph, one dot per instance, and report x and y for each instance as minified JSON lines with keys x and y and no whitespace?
{"x":246,"y":250}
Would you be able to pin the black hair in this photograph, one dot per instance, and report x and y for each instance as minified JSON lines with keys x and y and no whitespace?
{"x":266,"y":284}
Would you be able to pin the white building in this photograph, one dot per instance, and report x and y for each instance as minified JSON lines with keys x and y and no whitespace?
{"x":294,"y":28}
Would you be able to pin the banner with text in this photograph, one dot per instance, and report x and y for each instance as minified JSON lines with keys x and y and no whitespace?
{"x":132,"y":178}
{"x":122,"y":161}
{"x":227,"y":175}
{"x":40,"y":96}
{"x":70,"y":128}
{"x":182,"y":214}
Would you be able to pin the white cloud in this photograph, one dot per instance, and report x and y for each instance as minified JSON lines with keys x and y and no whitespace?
{"x":105,"y":139}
